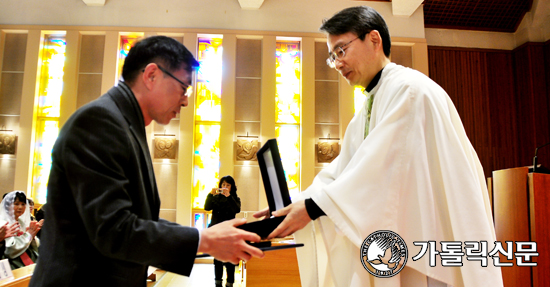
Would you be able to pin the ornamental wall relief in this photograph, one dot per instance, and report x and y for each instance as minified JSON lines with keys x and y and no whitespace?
{"x":8,"y":142}
{"x":327,"y":151}
{"x":247,"y":149}
{"x":165,"y":147}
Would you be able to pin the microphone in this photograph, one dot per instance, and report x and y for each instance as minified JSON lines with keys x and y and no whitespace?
{"x":535,"y":157}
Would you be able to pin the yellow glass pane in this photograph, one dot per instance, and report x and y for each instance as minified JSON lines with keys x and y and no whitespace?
{"x":288,"y":74}
{"x":51,"y":76}
{"x":358,"y":98}
{"x":48,"y":109}
{"x":47,"y":131}
{"x":209,"y":107}
{"x":209,"y":80}
{"x":207,"y":115}
{"x":206,"y":162}
{"x":288,"y":140}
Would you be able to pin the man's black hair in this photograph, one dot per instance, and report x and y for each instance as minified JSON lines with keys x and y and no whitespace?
{"x":360,"y":20}
{"x":162,"y":50}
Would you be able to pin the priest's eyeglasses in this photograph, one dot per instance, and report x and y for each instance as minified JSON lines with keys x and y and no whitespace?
{"x":338,"y":54}
{"x":187,"y":88}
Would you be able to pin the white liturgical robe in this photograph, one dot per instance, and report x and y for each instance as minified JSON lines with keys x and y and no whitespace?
{"x":416,"y":174}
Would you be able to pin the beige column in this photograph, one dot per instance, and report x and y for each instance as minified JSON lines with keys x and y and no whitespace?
{"x":27,"y":122}
{"x":185,"y":154}
{"x":70,"y":76}
{"x":109,"y":77}
{"x":346,"y":104}
{"x":307,"y":160}
{"x":2,"y":43}
{"x":267,"y":107}
{"x":227,"y":125}
{"x":420,"y":57}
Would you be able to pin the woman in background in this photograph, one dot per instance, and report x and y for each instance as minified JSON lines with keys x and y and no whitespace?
{"x":31,"y":208}
{"x":22,"y":248}
{"x":224,"y":203}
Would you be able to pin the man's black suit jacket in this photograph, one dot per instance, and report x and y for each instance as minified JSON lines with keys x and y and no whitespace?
{"x":102,"y":225}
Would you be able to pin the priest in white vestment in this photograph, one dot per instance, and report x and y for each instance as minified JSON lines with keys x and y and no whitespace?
{"x":406,"y":166}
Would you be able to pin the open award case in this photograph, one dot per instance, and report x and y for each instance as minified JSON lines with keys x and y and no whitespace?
{"x":276,"y":189}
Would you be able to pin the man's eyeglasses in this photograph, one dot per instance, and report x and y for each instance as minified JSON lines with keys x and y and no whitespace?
{"x":338,"y":54}
{"x":187,"y":88}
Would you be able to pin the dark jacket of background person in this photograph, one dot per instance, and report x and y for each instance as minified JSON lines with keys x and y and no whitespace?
{"x":39,"y":215}
{"x":103,"y":206}
{"x":223,"y":208}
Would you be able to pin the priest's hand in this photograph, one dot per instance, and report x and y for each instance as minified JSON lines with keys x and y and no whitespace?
{"x":296,"y":219}
{"x":227,"y":243}
{"x":262,"y":213}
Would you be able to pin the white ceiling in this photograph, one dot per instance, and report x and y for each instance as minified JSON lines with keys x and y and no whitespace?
{"x":273,"y":15}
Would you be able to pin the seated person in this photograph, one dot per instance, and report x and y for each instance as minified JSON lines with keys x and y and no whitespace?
{"x":22,"y":248}
{"x":31,"y":208}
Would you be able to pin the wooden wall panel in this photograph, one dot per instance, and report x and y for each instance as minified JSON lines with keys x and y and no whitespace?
{"x":503,"y":124}
{"x":502,"y":98}
{"x":533,"y":114}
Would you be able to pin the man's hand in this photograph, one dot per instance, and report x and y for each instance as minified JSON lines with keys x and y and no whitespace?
{"x":227,"y":243}
{"x":296,"y":219}
{"x":8,"y":230}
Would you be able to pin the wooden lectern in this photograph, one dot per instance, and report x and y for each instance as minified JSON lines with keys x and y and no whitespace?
{"x":278,"y":268}
{"x":521,"y":200}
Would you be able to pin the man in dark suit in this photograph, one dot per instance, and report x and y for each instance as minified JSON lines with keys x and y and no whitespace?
{"x":103,"y":226}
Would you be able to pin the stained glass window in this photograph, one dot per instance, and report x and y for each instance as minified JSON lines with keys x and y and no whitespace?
{"x":206,"y":166}
{"x":209,"y":82}
{"x":288,"y":103}
{"x":47,"y":121}
{"x":206,"y":162}
{"x":127,"y":41}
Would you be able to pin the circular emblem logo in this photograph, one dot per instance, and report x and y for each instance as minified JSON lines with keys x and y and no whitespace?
{"x":384,"y":253}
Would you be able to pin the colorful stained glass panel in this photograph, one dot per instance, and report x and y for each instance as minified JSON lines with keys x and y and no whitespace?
{"x":209,"y":79}
{"x":206,"y":162}
{"x":288,"y":74}
{"x":48,"y":112}
{"x":51,"y":76}
{"x":288,"y":140}
{"x":47,"y":132}
{"x":126,"y":43}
